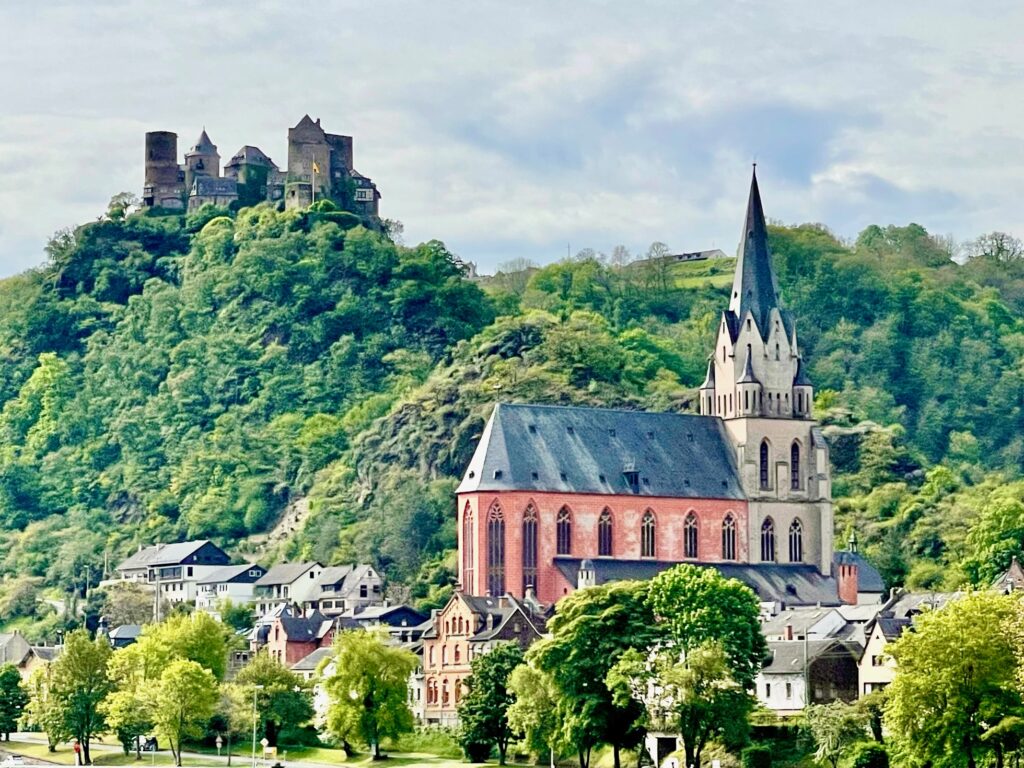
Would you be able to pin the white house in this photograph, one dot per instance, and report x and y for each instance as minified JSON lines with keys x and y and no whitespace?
{"x":288,"y":584}
{"x":344,"y":588}
{"x":803,"y":672}
{"x":236,"y":583}
{"x":174,"y":569}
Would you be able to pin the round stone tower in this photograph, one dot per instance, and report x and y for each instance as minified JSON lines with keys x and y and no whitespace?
{"x":162,"y":186}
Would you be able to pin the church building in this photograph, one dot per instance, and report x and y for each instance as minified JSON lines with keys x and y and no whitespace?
{"x":560,"y":497}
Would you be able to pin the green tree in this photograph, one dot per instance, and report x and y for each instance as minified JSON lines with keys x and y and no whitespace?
{"x":125,"y":709}
{"x":483,"y":711}
{"x":689,"y":691}
{"x":13,"y":699}
{"x":696,"y":605}
{"x":284,"y":700}
{"x":368,"y":689}
{"x":834,"y":728}
{"x":127,"y":603}
{"x":590,"y":631}
{"x":535,"y":711}
{"x":194,"y":637}
{"x":44,"y":711}
{"x":237,"y":616}
{"x":182,"y":701}
{"x":78,"y":685}
{"x":956,"y":673}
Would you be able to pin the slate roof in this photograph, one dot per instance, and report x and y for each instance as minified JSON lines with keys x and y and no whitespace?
{"x":213,"y":185}
{"x":334,"y":574}
{"x":892,"y":628}
{"x":375,"y":613}
{"x":250,"y":155}
{"x":203,"y":144}
{"x":162,"y":554}
{"x":230,"y":573}
{"x":305,"y":629}
{"x":754,"y":288}
{"x":868,"y":577}
{"x":586,"y":450}
{"x":46,"y":652}
{"x":801,"y":620}
{"x":501,"y":609}
{"x":125,"y":632}
{"x":909,"y":605}
{"x":793,"y":585}
{"x":312,"y":661}
{"x":284,"y":573}
{"x":801,"y":380}
{"x":787,"y":657}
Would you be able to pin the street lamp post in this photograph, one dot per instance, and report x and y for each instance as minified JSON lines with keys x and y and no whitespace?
{"x":255,"y":688}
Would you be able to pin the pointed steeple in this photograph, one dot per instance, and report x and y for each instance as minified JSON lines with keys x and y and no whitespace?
{"x":748,"y":372}
{"x":754,"y":287}
{"x":203,"y":144}
{"x":709,"y":380}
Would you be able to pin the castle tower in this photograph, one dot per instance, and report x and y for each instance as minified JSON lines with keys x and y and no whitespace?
{"x":164,"y":185}
{"x":309,"y":164}
{"x":758,"y":385}
{"x":202,"y":160}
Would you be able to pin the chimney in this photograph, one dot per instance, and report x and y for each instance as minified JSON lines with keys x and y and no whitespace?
{"x":788,"y":632}
{"x":848,"y":583}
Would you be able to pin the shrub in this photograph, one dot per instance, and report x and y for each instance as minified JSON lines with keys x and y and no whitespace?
{"x":476,"y":752}
{"x":869,"y":755}
{"x":757,"y":756}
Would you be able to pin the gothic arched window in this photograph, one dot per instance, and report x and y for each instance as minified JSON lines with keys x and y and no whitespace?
{"x":690,"y":535}
{"x":467,"y":550}
{"x":529,"y":548}
{"x":495,"y":551}
{"x":768,"y":540}
{"x":604,"y":534}
{"x":794,"y":466}
{"x":647,"y":535}
{"x":796,"y":541}
{"x":729,"y":537}
{"x":764,"y":466}
{"x":563,"y":532}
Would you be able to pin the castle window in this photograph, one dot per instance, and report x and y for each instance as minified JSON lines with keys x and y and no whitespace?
{"x":768,"y":541}
{"x":765,"y":477}
{"x":794,"y":466}
{"x":796,"y":541}
{"x":647,"y":535}
{"x":729,"y":537}
{"x":529,"y":548}
{"x":604,"y":534}
{"x":495,"y":551}
{"x":467,"y":549}
{"x":563,"y":532}
{"x":690,"y":535}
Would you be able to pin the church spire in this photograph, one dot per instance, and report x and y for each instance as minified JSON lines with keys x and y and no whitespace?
{"x":754,"y":287}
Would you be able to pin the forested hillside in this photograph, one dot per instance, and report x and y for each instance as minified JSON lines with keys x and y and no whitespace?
{"x":168,"y":377}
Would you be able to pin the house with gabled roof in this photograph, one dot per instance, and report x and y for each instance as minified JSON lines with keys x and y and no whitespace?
{"x":803,"y":672}
{"x":174,"y":569}
{"x":465,"y":628}
{"x":236,"y":583}
{"x":346,"y":588}
{"x":289,"y":584}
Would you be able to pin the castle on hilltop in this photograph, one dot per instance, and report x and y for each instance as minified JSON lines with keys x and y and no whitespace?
{"x":319,"y":168}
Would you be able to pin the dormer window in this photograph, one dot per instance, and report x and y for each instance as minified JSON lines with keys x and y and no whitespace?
{"x":633,"y":479}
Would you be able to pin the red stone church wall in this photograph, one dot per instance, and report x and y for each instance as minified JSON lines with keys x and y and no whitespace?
{"x":626,"y":511}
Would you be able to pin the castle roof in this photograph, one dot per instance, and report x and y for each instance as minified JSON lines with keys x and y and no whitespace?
{"x":307,"y":125}
{"x":547,"y":448}
{"x":249,"y":155}
{"x":203,"y":145}
{"x":754,"y":288}
{"x":203,"y":186}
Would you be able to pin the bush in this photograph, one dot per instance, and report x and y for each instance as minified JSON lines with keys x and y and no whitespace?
{"x":757,"y":756}
{"x":869,"y":755}
{"x":476,"y":752}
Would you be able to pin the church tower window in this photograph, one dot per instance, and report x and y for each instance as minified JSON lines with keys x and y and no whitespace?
{"x":690,"y":536}
{"x":647,"y":535}
{"x":604,"y":534}
{"x":764,"y":466}
{"x":495,"y":551}
{"x":768,"y":540}
{"x":529,"y":548}
{"x":468,"y":549}
{"x":729,"y":537}
{"x":563,"y":526}
{"x":794,"y":466}
{"x":796,"y":541}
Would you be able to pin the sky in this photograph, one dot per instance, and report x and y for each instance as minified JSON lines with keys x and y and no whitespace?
{"x":535,"y":129}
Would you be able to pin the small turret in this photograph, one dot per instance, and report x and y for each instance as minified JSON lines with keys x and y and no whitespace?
{"x":707,"y":391}
{"x":587,"y":575}
{"x":202,"y":160}
{"x":803,"y":392}
{"x":748,"y":390}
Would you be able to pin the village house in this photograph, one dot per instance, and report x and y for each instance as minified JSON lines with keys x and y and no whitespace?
{"x":465,"y":628}
{"x":307,"y":666}
{"x":403,"y":623}
{"x":827,"y":669}
{"x":236,"y":583}
{"x":289,"y":639}
{"x":287,"y":584}
{"x":173,"y":569}
{"x":344,"y":588}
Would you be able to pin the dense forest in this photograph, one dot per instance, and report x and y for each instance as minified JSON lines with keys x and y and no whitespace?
{"x":291,"y":384}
